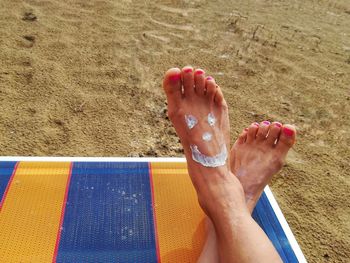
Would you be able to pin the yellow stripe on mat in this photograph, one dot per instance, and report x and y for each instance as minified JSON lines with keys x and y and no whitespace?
{"x":30,"y":216}
{"x":180,"y":221}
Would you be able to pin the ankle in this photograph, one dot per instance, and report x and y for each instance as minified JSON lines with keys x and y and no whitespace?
{"x":224,"y":198}
{"x":227,"y":223}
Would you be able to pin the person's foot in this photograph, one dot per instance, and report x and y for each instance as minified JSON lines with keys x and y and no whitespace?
{"x":258,"y":154}
{"x":198,"y":111}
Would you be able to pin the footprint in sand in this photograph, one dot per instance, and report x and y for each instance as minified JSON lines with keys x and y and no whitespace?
{"x":29,"y":16}
{"x":29,"y":41}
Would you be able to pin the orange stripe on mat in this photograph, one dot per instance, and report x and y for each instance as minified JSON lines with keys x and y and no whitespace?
{"x":180,"y":221}
{"x":30,"y":217}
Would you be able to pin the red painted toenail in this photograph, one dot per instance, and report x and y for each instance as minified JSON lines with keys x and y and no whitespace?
{"x":199,"y":72}
{"x":187,"y":70}
{"x":210,"y":78}
{"x":175,"y":78}
{"x":256,"y":124}
{"x":288,"y":132}
{"x":266,"y":122}
{"x":279,"y":125}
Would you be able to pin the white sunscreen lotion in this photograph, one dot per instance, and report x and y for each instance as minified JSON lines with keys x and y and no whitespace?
{"x":211,"y":119}
{"x":209,"y":161}
{"x":207,"y":136}
{"x":191,"y":121}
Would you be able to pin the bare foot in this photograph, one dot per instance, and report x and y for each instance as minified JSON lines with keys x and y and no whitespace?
{"x":199,"y":114}
{"x":258,"y":154}
{"x":198,"y":111}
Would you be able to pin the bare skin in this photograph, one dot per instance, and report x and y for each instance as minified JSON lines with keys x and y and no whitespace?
{"x":257,"y":155}
{"x":220,"y":194}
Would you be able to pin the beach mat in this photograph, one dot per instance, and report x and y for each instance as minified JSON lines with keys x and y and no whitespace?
{"x":128,"y":210}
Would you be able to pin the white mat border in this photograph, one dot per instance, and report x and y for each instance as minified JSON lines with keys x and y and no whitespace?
{"x":294,"y":244}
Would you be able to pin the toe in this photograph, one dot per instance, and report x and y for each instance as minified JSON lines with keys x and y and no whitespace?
{"x":287,"y":137}
{"x":188,"y":81}
{"x":274,"y":132}
{"x":172,"y":84}
{"x":210,"y":87}
{"x":243,"y":136}
{"x":172,"y":87}
{"x":219,"y":97}
{"x":199,"y":81}
{"x":252,"y":130}
{"x":263,"y":130}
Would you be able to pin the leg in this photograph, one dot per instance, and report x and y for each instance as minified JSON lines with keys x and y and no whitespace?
{"x":257,"y":155}
{"x":199,"y":114}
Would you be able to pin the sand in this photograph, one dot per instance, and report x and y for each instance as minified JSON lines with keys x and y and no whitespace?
{"x":82,"y":78}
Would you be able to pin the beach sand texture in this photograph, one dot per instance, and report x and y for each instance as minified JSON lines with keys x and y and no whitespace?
{"x":83,"y":78}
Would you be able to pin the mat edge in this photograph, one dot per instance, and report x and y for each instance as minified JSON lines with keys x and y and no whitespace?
{"x":287,"y":230}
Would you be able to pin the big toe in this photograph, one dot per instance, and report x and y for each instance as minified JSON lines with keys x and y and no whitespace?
{"x":287,"y":137}
{"x":172,"y":86}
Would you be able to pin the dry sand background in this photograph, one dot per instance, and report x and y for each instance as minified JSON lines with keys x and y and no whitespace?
{"x":82,"y":78}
